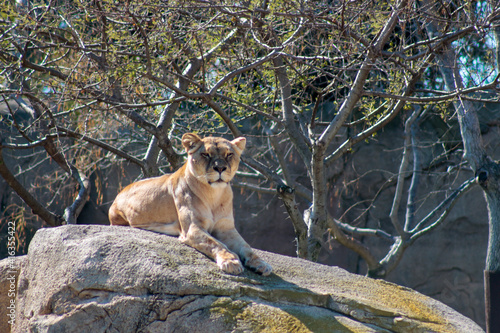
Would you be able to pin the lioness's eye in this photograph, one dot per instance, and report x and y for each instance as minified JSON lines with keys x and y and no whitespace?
{"x":229,"y":155}
{"x":205,"y":155}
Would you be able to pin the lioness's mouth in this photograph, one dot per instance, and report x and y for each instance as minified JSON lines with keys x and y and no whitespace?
{"x":216,"y":182}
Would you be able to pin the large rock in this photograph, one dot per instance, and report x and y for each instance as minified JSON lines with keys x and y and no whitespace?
{"x":119,"y":279}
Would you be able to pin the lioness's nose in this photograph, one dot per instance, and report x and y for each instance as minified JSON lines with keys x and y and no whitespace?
{"x":219,"y":169}
{"x":219,"y":166}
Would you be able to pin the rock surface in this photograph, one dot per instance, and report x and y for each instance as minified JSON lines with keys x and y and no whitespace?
{"x":119,"y":279}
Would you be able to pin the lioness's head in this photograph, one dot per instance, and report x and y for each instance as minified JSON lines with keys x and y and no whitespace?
{"x":213,"y":161}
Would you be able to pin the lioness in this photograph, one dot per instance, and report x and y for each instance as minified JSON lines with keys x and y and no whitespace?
{"x":194,"y":203}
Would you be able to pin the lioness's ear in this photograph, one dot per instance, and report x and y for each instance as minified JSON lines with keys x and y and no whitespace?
{"x":240,"y":144}
{"x":191,"y":142}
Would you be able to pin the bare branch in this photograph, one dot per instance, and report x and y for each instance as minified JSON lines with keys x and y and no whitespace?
{"x":101,"y":144}
{"x":355,"y":245}
{"x":250,"y":108}
{"x":50,"y":218}
{"x":281,"y":159}
{"x":262,"y":169}
{"x":348,"y":144}
{"x":402,"y":173}
{"x":72,"y":211}
{"x":253,"y":188}
{"x":296,"y":136}
{"x":227,"y":120}
{"x":364,"y":231}
{"x":286,"y":194}
{"x":241,"y":70}
{"x":461,"y":93}
{"x":357,"y":88}
{"x":415,"y":179}
{"x":445,"y":206}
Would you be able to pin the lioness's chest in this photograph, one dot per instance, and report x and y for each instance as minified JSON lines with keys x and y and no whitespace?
{"x":219,"y":200}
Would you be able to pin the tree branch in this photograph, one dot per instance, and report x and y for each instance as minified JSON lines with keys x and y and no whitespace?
{"x":250,"y":108}
{"x":50,"y":218}
{"x":241,"y":70}
{"x":354,"y":245}
{"x":105,"y":146}
{"x":357,"y":88}
{"x":402,"y":174}
{"x":227,"y":120}
{"x":286,"y":193}
{"x":415,"y":180}
{"x":72,"y":211}
{"x":445,"y":206}
{"x":297,"y":138}
{"x":363,"y":231}
{"x":348,"y":144}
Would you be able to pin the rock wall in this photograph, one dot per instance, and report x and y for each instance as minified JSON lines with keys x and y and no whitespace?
{"x":102,"y":279}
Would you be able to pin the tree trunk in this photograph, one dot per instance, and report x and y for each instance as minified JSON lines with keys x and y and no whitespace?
{"x":487,"y":175}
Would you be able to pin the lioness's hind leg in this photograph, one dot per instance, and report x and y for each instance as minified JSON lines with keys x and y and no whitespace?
{"x":171,"y":229}
{"x":116,"y":217}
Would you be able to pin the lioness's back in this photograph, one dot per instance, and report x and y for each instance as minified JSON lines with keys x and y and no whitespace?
{"x":144,"y":202}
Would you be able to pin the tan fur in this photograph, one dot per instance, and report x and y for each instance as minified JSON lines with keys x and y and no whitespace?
{"x":194,"y":203}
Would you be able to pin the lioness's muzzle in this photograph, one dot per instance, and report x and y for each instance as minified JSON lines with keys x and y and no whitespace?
{"x":219,"y":165}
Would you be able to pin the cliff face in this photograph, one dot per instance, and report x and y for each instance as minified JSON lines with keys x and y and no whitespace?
{"x":119,"y":279}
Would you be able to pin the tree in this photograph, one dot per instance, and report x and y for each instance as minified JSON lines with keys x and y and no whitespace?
{"x":487,"y":170}
{"x":314,"y":80}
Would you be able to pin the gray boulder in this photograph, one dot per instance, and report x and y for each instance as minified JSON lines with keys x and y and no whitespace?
{"x":119,"y":279}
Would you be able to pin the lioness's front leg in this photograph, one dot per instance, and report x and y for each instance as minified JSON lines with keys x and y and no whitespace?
{"x":201,"y":240}
{"x":233,"y":240}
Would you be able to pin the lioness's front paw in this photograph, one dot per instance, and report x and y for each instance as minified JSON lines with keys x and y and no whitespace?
{"x":231,"y":265}
{"x":260,"y":266}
